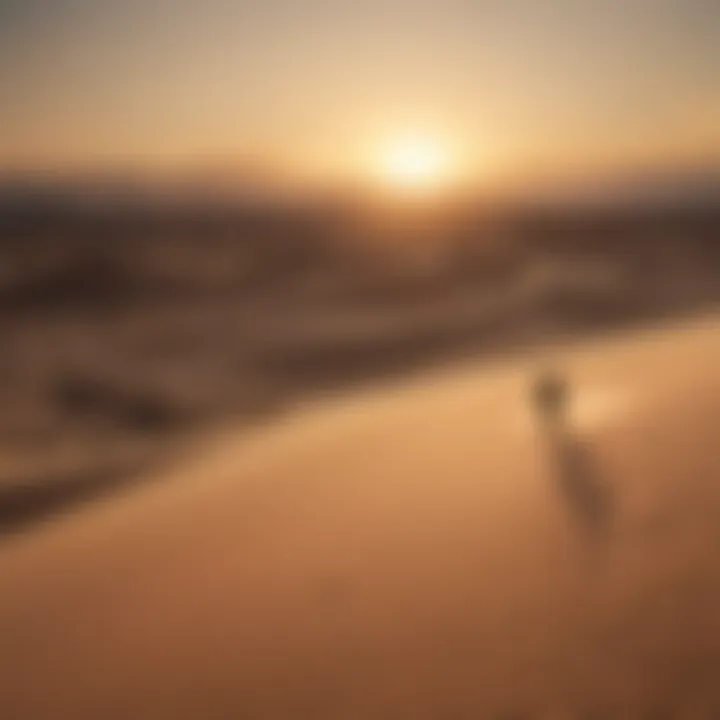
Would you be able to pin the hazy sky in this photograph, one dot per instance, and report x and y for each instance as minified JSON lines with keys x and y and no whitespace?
{"x":312,"y":85}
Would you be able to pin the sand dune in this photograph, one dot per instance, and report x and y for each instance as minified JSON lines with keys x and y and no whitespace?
{"x":418,"y":551}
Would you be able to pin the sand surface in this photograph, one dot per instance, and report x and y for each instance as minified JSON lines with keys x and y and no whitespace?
{"x":423,"y":550}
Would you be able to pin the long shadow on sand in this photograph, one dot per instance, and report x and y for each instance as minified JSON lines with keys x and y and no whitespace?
{"x":582,"y":487}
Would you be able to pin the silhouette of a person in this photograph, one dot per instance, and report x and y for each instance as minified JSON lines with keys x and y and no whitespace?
{"x":550,"y":397}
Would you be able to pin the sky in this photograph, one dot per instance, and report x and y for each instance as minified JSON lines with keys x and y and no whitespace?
{"x":313,"y":88}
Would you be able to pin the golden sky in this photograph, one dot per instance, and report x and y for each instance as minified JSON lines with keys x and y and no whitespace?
{"x":315,"y":87}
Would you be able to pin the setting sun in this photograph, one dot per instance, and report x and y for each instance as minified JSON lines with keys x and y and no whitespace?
{"x":414,"y":163}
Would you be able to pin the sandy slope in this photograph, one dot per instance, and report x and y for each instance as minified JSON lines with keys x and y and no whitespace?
{"x":420,"y":551}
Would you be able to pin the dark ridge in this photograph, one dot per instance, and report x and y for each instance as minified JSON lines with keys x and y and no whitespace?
{"x":30,"y":500}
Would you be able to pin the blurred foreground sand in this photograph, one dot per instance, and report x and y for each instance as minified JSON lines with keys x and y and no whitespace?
{"x":409,"y":552}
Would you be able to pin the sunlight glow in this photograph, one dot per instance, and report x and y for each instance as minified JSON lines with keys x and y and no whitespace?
{"x":415,"y":163}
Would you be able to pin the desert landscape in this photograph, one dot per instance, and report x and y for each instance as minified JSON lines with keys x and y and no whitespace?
{"x":255,"y":469}
{"x":359,"y":360}
{"x":128,"y":329}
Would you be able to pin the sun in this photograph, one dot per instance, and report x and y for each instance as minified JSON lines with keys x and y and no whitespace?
{"x":414,"y":163}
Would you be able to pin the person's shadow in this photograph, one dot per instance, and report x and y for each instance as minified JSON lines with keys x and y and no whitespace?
{"x":581,"y":485}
